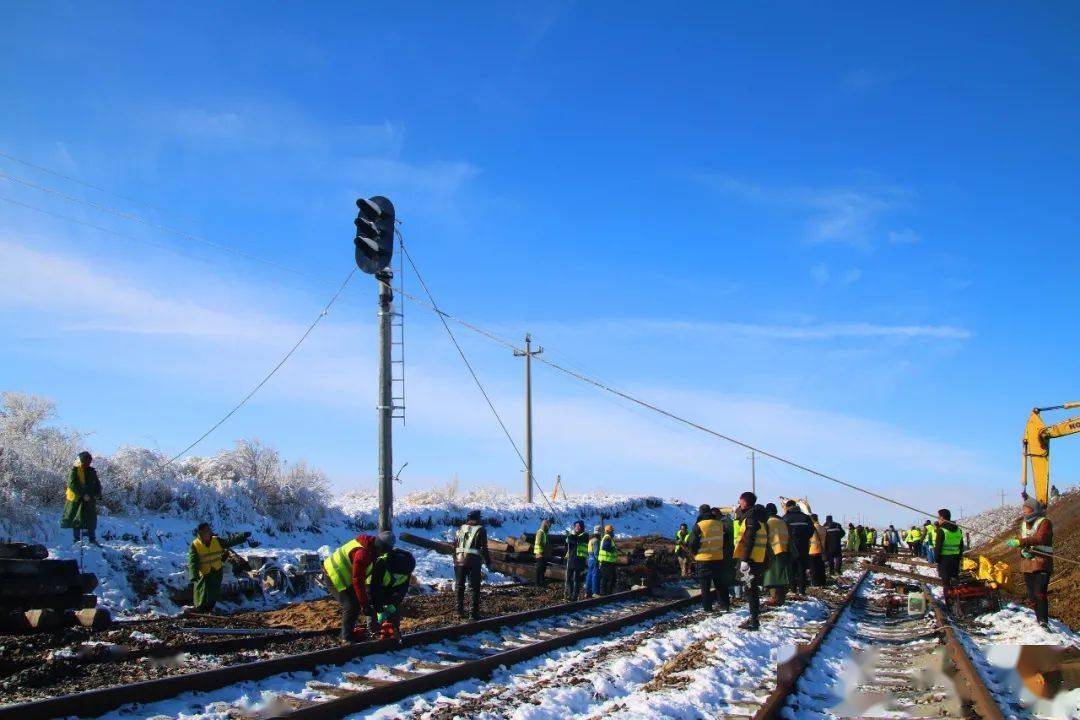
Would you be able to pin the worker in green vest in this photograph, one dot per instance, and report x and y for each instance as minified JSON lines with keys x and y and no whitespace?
{"x":81,"y":498}
{"x":948,"y":546}
{"x":929,"y":540}
{"x":540,"y":551}
{"x":388,"y":581}
{"x":607,"y":557}
{"x":577,"y":560}
{"x":206,"y":565}
{"x":682,"y":551}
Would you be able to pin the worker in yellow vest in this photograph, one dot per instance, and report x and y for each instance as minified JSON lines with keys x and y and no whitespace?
{"x":81,"y":498}
{"x":777,"y":575}
{"x":707,"y":542}
{"x":817,"y":553}
{"x":914,"y":541}
{"x":540,"y":551}
{"x":346,"y":573}
{"x":682,"y":549}
{"x":592,"y":572}
{"x":206,"y":565}
{"x":607,"y":557}
{"x":929,"y":539}
{"x":750,"y":554}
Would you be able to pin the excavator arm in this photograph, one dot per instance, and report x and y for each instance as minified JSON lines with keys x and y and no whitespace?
{"x":1037,"y":436}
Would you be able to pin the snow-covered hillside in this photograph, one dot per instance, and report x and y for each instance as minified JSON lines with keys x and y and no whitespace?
{"x":143,"y":557}
{"x":151,"y":506}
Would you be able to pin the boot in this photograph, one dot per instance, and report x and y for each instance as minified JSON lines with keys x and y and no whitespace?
{"x":750,"y":624}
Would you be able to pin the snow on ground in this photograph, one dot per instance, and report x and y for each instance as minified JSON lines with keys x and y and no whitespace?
{"x":142,"y":557}
{"x":604,"y":677}
{"x":988,"y":524}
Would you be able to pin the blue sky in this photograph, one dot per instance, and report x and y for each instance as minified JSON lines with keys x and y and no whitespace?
{"x":845,"y":233}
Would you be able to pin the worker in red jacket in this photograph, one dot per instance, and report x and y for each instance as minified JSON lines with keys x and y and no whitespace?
{"x":346,"y":571}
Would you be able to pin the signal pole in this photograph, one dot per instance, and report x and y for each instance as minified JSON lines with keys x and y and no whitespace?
{"x":374,"y":250}
{"x":528,"y":355}
{"x":386,"y":403}
{"x":753,"y":472}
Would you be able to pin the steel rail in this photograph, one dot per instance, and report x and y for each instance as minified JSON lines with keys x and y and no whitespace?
{"x":92,"y":703}
{"x":980,"y":694}
{"x":788,"y":673}
{"x":479,"y":668}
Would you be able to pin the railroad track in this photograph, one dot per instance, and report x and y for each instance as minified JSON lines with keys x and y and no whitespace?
{"x":497,"y":641}
{"x":906,"y":664}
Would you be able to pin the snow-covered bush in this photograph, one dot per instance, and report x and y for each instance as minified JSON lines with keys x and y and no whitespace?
{"x":249,"y":484}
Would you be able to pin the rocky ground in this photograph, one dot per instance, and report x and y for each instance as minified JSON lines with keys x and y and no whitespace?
{"x":47,"y":664}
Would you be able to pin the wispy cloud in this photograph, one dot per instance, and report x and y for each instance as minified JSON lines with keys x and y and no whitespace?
{"x":904,"y":236}
{"x":850,"y":216}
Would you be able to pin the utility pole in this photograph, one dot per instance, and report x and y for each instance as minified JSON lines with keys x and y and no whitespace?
{"x":753,"y":472}
{"x":1001,"y":493}
{"x":528,"y":355}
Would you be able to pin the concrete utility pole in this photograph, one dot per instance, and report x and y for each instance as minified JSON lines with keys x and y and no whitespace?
{"x":1002,"y":494}
{"x":753,"y":472}
{"x":386,"y":403}
{"x":528,"y":355}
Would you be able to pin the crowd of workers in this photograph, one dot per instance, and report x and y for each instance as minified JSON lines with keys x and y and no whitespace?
{"x":733,"y":554}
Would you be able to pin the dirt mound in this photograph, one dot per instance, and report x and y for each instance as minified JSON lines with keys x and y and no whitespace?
{"x":1065,"y":582}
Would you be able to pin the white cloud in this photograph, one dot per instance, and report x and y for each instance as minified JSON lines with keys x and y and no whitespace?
{"x":905,"y":236}
{"x":849,"y":216}
{"x":850,"y":277}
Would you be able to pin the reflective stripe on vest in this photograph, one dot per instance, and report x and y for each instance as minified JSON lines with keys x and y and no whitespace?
{"x":761,"y":541}
{"x":466,"y":535}
{"x":815,"y":541}
{"x":712,"y":541}
{"x":777,"y":531}
{"x":338,"y":566}
{"x":209,"y":557}
{"x":608,"y":556}
{"x":538,"y":545}
{"x":951,"y":541}
{"x":1028,"y":532}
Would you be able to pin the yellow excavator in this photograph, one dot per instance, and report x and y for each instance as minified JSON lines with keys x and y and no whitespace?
{"x":1037,"y":437}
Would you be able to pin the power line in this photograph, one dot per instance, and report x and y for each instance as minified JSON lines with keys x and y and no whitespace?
{"x":77,"y":181}
{"x":468,"y":365}
{"x":133,"y":217}
{"x":695,"y":425}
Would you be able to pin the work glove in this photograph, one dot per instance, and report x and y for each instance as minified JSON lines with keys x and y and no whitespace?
{"x":744,"y":567}
{"x":86,"y":498}
{"x":1012,"y":542}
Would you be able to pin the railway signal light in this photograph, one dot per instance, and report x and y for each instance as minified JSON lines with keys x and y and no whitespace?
{"x":374,"y":234}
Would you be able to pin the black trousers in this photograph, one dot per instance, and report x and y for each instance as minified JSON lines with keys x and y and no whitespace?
{"x":350,"y":608}
{"x":607,"y":578}
{"x":470,"y":573}
{"x":713,"y":580}
{"x":948,"y":567}
{"x":753,"y":592}
{"x":916,"y":548}
{"x":1038,"y":590}
{"x":836,"y":561}
{"x":541,"y":571}
{"x":575,"y":578}
{"x":799,"y":563}
{"x":817,"y":570}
